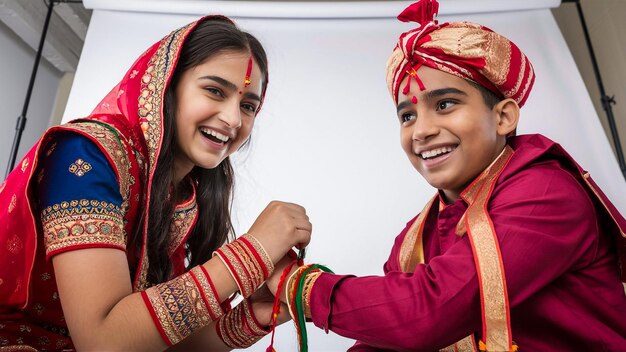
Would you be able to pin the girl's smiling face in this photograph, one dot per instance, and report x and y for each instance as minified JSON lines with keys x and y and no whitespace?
{"x":215,"y":110}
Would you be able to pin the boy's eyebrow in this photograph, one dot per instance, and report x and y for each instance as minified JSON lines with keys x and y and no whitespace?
{"x":230,"y":86}
{"x":432,"y":95}
{"x":403,"y":105}
{"x":443,"y":91}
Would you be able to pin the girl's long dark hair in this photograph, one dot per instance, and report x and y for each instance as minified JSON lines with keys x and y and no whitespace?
{"x":214,"y":187}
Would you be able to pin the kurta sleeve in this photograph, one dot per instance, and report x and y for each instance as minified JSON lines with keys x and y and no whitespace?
{"x":79,"y":197}
{"x":545,"y":224}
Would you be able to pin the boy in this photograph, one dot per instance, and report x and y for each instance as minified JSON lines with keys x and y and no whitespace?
{"x":517,"y":248}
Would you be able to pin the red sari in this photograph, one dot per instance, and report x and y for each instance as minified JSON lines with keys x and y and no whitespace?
{"x":126,"y":127}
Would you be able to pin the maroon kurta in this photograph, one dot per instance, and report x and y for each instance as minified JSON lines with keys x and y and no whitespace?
{"x":562,"y":276}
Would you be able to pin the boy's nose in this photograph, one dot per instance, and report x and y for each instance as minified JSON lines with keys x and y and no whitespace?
{"x":423,"y":128}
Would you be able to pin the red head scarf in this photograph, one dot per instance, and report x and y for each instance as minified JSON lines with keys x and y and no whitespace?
{"x":463,"y":49}
{"x":135,"y":109}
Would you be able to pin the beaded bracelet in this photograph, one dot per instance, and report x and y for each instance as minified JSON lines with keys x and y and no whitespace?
{"x":239,"y":328}
{"x":183,"y":305}
{"x":248,"y":263}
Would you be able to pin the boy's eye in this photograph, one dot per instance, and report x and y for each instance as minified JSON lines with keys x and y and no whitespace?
{"x":444,"y":104}
{"x":407,"y":116}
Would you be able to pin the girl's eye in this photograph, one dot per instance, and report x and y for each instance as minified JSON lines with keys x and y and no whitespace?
{"x":407,"y":116}
{"x":445,"y":104}
{"x":214,"y":91}
{"x":249,"y":107}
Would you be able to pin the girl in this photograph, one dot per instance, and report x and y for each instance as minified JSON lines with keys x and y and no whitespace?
{"x":111,"y":226}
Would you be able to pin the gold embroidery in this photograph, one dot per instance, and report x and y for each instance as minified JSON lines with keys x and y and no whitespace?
{"x":267,"y":261}
{"x":475,"y":43}
{"x":412,"y":251}
{"x":488,"y":262}
{"x":82,"y":222}
{"x":209,"y":295}
{"x":309,"y":282}
{"x":80,"y":167}
{"x":179,"y":307}
{"x":237,"y":270}
{"x":17,"y":348}
{"x":15,"y":244}
{"x":251,"y":321}
{"x":238,"y":328}
{"x":252,"y":266}
{"x":486,"y":252}
{"x":182,"y":222}
{"x":153,"y":81}
{"x":12,"y":204}
{"x":25,"y":163}
{"x":465,"y":345}
{"x":51,"y":148}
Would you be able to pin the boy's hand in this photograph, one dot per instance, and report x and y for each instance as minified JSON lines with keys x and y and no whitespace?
{"x":263,"y":303}
{"x":273,"y":280}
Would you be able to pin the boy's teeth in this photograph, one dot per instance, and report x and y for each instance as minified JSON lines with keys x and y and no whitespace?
{"x":435,"y":152}
{"x":217,"y":135}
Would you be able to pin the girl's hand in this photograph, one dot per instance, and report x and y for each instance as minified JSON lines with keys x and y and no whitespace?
{"x":280,"y":227}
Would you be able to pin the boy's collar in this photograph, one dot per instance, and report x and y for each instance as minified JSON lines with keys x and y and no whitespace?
{"x":487,"y":177}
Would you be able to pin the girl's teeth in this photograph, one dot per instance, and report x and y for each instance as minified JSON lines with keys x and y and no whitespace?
{"x":217,"y":135}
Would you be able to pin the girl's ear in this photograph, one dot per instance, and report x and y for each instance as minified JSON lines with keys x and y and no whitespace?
{"x":507,"y":112}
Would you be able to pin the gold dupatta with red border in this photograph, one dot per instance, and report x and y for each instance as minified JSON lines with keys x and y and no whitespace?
{"x":477,"y":224}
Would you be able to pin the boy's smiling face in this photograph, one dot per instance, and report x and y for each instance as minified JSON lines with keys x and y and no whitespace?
{"x":450,"y":135}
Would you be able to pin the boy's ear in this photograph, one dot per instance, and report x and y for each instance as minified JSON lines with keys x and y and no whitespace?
{"x":507,"y":112}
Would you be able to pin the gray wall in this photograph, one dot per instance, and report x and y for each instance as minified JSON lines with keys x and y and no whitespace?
{"x":16,"y":63}
{"x":607,"y":30}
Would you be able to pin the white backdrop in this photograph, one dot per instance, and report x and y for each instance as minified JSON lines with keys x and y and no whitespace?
{"x":327,"y":137}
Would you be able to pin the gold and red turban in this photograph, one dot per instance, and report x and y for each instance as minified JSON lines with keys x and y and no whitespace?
{"x":464,"y":49}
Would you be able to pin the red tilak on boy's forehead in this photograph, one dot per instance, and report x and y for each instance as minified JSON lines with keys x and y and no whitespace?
{"x":413,"y":75}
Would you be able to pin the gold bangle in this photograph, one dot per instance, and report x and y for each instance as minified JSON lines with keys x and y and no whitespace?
{"x":306,"y":293}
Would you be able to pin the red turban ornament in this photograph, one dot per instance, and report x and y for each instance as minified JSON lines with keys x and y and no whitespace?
{"x":464,"y":49}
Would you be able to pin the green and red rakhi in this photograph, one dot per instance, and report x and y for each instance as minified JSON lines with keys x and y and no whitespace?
{"x":298,"y":286}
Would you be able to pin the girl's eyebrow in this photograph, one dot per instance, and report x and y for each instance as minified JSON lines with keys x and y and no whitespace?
{"x":230,"y":86}
{"x":226,"y":83}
